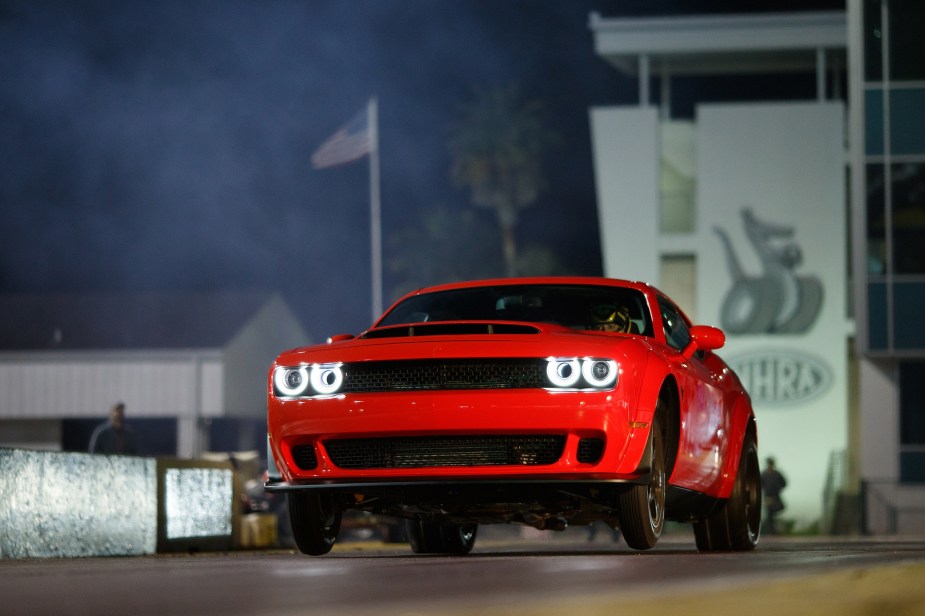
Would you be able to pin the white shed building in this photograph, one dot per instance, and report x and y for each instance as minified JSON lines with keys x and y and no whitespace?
{"x":192,"y":357}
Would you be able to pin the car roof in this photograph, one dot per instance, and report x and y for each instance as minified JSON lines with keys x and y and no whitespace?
{"x":539,"y":280}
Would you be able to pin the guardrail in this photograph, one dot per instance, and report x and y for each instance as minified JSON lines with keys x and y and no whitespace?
{"x":59,"y":504}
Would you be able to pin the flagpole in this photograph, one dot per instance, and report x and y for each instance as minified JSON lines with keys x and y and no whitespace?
{"x":375,"y":213}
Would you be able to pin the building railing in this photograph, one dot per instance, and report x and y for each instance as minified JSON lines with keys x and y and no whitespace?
{"x":840,"y":502}
{"x":892,"y":508}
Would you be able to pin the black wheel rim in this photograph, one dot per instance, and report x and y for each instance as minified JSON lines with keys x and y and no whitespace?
{"x":752,"y":496}
{"x":329,"y":518}
{"x":656,"y":490}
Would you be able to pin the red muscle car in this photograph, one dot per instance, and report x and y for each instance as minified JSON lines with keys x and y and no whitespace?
{"x":544,"y":402}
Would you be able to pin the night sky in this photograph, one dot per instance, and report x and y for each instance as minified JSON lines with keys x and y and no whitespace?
{"x":165,"y":145}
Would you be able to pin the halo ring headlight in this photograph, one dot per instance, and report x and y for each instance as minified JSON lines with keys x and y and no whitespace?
{"x":599,"y":372}
{"x":291,"y":381}
{"x":327,"y":378}
{"x":563,"y":372}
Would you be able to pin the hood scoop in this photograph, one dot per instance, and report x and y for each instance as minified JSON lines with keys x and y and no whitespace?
{"x":450,"y":329}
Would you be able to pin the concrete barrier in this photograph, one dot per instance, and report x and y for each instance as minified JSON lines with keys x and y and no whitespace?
{"x":56,"y":504}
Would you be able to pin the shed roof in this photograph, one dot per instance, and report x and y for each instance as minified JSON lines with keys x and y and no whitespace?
{"x":139,"y":320}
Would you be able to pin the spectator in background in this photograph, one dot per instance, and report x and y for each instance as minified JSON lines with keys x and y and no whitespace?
{"x":772,"y":483}
{"x":113,"y":436}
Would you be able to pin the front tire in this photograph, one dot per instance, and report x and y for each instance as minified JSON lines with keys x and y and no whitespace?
{"x":642,"y":507}
{"x":735,"y":527}
{"x":434,"y":538}
{"x":315,"y":521}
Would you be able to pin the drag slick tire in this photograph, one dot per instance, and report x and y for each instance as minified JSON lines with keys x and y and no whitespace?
{"x":434,"y":538}
{"x":735,"y":527}
{"x":642,"y":507}
{"x":315,"y":521}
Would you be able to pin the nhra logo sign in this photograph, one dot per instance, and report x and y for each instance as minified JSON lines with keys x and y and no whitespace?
{"x":782,"y":377}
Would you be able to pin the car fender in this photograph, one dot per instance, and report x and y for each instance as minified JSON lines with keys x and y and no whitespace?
{"x":742,"y":418}
{"x":654,"y":375}
{"x":650,"y":379}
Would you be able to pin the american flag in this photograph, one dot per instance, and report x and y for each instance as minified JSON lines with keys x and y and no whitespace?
{"x":348,"y":144}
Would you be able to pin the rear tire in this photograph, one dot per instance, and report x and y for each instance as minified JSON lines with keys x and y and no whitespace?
{"x":434,"y":538}
{"x":642,"y":507}
{"x":315,"y":521}
{"x":735,"y":527}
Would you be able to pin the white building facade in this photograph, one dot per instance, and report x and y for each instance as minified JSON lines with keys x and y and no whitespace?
{"x":740,"y":214}
{"x":190,"y":359}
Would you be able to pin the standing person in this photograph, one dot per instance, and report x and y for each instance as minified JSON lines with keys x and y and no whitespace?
{"x":773,"y":483}
{"x":113,"y":436}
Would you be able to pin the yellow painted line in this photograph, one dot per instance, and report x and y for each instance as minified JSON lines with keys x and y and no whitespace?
{"x":888,"y":590}
{"x":883,"y":590}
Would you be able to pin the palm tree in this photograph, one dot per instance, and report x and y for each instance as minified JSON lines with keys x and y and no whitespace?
{"x":497,"y":148}
{"x":442,"y":245}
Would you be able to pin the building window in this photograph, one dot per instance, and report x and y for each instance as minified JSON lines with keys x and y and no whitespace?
{"x":678,"y":279}
{"x":873,"y":41}
{"x":908,"y":217}
{"x":912,"y":403}
{"x":912,"y":422}
{"x":876,"y":220}
{"x":908,"y":299}
{"x":677,"y":170}
{"x":907,"y":45}
{"x":894,"y":72}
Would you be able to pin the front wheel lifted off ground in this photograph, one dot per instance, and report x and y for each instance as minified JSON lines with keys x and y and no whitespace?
{"x":642,"y":507}
{"x":315,"y":521}
{"x":434,"y":538}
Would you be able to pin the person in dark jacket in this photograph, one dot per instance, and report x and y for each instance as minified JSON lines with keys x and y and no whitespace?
{"x":113,"y":436}
{"x":772,"y":483}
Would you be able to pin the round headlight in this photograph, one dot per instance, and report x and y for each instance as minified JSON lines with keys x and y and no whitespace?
{"x":599,"y":372}
{"x":327,"y":378}
{"x":563,"y":372}
{"x":291,"y":381}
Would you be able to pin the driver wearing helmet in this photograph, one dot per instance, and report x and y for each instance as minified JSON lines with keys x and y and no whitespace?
{"x":610,"y":318}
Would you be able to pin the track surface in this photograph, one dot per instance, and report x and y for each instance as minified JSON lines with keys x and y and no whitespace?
{"x":503,"y":575}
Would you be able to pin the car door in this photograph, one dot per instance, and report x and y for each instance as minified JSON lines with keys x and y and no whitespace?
{"x":704,"y":423}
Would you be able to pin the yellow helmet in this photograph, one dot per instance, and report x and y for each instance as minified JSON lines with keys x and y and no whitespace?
{"x":610,"y":318}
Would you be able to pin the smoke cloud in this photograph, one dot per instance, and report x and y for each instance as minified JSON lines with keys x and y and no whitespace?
{"x":166,"y":144}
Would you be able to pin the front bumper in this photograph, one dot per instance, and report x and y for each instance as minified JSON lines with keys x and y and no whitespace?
{"x":448,"y":487}
{"x":299,"y":425}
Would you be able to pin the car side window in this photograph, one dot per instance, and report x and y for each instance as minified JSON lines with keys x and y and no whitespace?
{"x":677,"y":333}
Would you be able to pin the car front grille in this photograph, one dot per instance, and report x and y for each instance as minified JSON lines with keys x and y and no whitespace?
{"x":418,"y":375}
{"x":438,"y":451}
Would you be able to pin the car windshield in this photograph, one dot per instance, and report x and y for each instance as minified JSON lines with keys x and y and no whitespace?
{"x":573,"y":306}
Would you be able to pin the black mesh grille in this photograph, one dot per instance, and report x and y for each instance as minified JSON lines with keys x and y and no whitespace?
{"x":590,"y":450}
{"x":304,"y":457}
{"x":414,"y":452}
{"x":444,"y":374}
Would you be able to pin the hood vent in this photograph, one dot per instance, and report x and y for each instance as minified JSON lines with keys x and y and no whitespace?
{"x":450,"y":329}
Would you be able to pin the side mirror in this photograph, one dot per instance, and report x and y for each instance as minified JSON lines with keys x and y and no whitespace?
{"x":704,"y":338}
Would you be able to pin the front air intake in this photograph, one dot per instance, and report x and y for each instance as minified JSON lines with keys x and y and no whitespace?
{"x":438,"y":451}
{"x":304,"y":457}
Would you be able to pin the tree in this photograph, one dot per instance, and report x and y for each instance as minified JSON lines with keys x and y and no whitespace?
{"x":497,"y":149}
{"x":444,"y":244}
